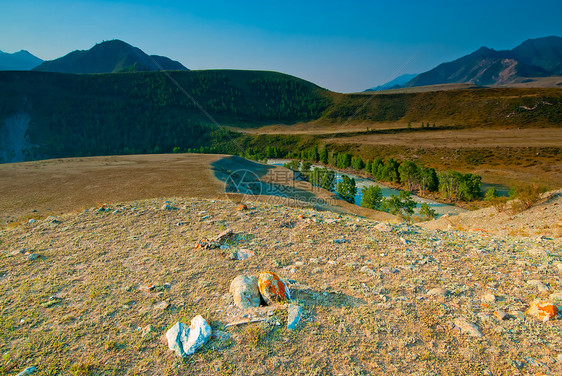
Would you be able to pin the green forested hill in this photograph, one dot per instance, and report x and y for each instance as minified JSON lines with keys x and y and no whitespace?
{"x":98,"y":114}
{"x":75,"y":115}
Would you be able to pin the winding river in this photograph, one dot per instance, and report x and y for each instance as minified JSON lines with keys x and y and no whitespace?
{"x":361,"y":182}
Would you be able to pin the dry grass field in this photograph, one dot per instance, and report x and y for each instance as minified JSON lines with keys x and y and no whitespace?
{"x":52,"y":187}
{"x":390,"y":300}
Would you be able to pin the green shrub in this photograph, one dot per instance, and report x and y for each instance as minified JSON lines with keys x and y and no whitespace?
{"x":372,"y":197}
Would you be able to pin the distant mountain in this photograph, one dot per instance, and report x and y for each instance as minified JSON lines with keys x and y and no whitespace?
{"x":398,"y":82}
{"x":21,"y":60}
{"x":109,"y":57}
{"x":541,"y":57}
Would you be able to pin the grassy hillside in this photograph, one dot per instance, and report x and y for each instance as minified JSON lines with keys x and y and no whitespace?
{"x":76,"y":115}
{"x":154,"y":112}
{"x":469,"y":107}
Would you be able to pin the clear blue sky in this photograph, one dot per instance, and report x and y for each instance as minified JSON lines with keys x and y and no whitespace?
{"x":341,"y":45}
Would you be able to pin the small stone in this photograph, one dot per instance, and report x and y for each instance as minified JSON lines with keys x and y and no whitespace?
{"x":185,"y":341}
{"x":538,"y":252}
{"x":294,"y":316}
{"x":542,"y":310}
{"x":517,"y":364}
{"x":491,"y":298}
{"x":167,"y":207}
{"x":31,"y":221}
{"x":365,"y":269}
{"x":245,"y":291}
{"x":244,"y":254}
{"x":556,"y":296}
{"x":559,"y":358}
{"x":27,"y":371}
{"x":500,"y":315}
{"x":538,"y":284}
{"x":32,"y":256}
{"x":467,"y":327}
{"x":272,"y":288}
{"x":241,"y":207}
{"x":339,"y":241}
{"x":520,"y":315}
{"x":559,"y":266}
{"x":147,"y":330}
{"x":162,"y":305}
{"x":383,"y":227}
{"x":389,"y":270}
{"x":487,"y":372}
{"x":439,"y":291}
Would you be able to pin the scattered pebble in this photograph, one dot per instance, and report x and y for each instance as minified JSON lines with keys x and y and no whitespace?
{"x":439,"y":291}
{"x":468,"y":327}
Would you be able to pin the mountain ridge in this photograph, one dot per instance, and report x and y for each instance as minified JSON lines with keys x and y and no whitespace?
{"x":540,"y":57}
{"x":112,"y":56}
{"x":396,"y":83}
{"x":21,"y":60}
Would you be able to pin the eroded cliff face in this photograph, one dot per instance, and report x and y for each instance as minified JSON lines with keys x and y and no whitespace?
{"x":14,"y":140}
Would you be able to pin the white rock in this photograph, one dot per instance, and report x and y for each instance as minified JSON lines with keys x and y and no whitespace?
{"x":185,"y":341}
{"x":538,"y":284}
{"x":32,"y":256}
{"x":489,"y":298}
{"x":365,"y":269}
{"x":383,"y":227}
{"x":440,"y":291}
{"x":538,"y":252}
{"x":244,"y":254}
{"x":556,"y":296}
{"x":294,"y":313}
{"x":467,"y":327}
{"x":245,"y":291}
{"x":27,"y":371}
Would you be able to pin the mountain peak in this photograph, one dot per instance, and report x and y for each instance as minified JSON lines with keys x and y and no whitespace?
{"x":21,"y":60}
{"x":538,"y":57}
{"x":110,"y":56}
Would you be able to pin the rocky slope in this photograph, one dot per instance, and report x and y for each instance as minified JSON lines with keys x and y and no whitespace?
{"x":94,"y":293}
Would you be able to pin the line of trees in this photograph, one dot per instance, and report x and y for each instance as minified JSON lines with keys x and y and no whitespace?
{"x":411,"y":175}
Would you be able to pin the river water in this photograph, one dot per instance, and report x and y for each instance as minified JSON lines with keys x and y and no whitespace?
{"x":361,"y":182}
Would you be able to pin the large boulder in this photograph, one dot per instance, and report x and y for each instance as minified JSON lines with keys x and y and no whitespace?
{"x":245,"y":291}
{"x":272,"y":288}
{"x":185,"y":341}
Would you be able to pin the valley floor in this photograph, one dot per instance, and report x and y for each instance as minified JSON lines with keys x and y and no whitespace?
{"x":377,"y":298}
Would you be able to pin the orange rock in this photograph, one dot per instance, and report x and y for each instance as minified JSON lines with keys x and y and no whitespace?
{"x":272,"y":288}
{"x":242,"y":207}
{"x":543,"y":310}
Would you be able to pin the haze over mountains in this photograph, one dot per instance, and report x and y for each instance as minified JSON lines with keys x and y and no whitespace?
{"x":112,"y":56}
{"x":541,"y":57}
{"x":394,"y":84}
{"x":21,"y":60}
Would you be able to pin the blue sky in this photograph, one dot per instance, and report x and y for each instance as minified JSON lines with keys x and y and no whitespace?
{"x":340,"y":45}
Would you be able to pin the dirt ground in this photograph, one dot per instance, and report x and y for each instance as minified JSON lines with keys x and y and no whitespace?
{"x":377,"y":299}
{"x":51,"y":187}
